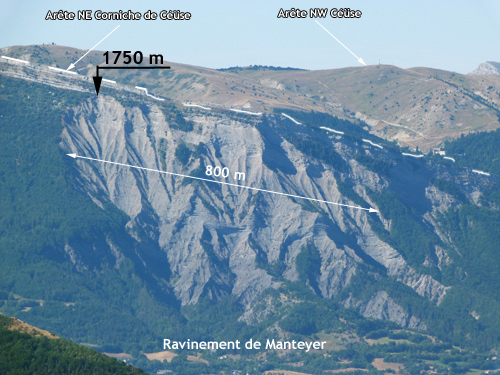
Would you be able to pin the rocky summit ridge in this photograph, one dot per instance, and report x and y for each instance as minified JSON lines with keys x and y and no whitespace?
{"x":487,"y":68}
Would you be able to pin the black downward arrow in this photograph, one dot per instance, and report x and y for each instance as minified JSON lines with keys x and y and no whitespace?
{"x":98,"y":80}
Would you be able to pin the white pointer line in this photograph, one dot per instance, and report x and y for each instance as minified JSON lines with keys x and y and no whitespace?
{"x":71,"y":66}
{"x":74,"y":156}
{"x":360,"y":60}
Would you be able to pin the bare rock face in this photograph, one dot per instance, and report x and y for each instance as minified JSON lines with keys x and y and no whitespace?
{"x":218,"y":239}
{"x":381,"y":306}
{"x":486,"y":68}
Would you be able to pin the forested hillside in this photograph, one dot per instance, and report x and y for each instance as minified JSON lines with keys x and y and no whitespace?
{"x":478,"y":150}
{"x":24,"y":353}
{"x":44,"y":217}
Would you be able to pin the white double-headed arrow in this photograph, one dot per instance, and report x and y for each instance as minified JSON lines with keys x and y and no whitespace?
{"x":74,"y":156}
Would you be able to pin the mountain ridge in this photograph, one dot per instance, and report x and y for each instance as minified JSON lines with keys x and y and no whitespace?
{"x":449,"y":104}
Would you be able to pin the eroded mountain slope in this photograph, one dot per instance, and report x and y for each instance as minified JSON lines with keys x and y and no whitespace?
{"x":215,"y":236}
{"x":200,"y":241}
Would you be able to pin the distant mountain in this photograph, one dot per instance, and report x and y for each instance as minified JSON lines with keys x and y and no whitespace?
{"x":487,"y":68}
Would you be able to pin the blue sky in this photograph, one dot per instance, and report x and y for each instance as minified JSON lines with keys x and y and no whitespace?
{"x":452,"y":35}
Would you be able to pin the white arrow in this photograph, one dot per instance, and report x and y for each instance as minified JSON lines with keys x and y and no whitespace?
{"x":71,"y":66}
{"x":360,"y":60}
{"x":74,"y":156}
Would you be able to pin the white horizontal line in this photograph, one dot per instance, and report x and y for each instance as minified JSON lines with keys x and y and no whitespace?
{"x":61,"y":70}
{"x":247,"y":112}
{"x":413,"y":156}
{"x":331,"y":130}
{"x":108,"y":80}
{"x":196,"y":105}
{"x":154,"y":97}
{"x":447,"y":157}
{"x":290,"y":118}
{"x":481,"y":172}
{"x":148,"y":94}
{"x":373,"y":144}
{"x":13,"y":59}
